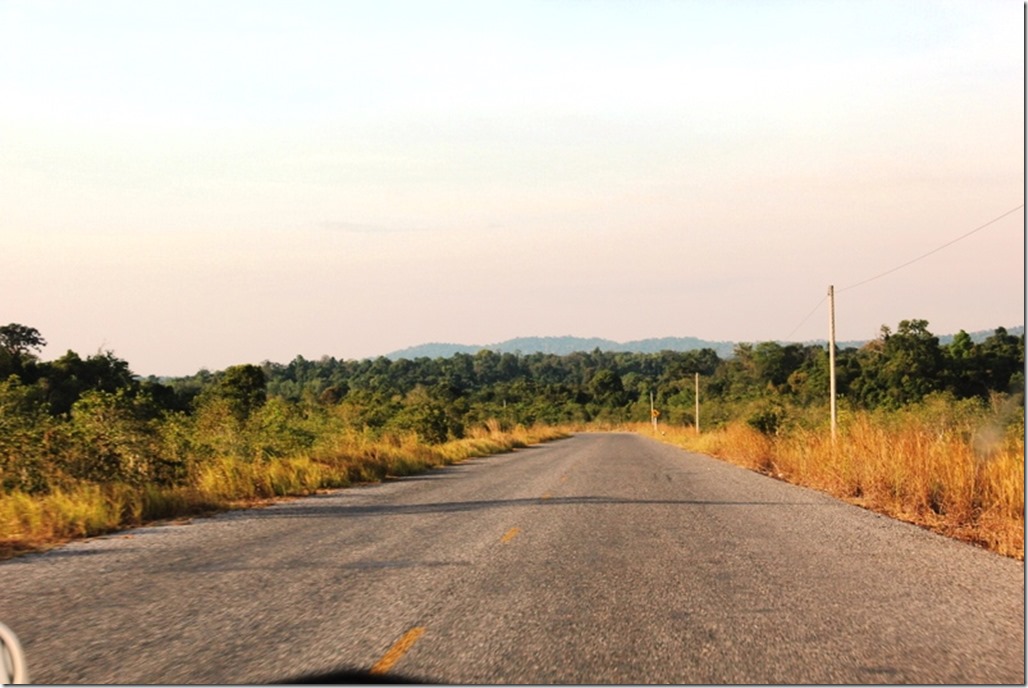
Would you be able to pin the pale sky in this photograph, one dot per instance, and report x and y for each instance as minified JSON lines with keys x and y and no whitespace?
{"x":201,"y":184}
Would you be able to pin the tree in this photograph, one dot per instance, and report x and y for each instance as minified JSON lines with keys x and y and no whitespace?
{"x":243,"y":387}
{"x":606,"y":388}
{"x":774,"y":363}
{"x":69,"y":377}
{"x":901,"y":368}
{"x":17,"y":343}
{"x":963,"y":367}
{"x":425,"y":415}
{"x":109,"y":442}
{"x":19,"y":340}
{"x":1002,"y":359}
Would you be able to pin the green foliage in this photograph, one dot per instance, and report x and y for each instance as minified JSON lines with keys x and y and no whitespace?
{"x":26,"y":430}
{"x":243,"y":388}
{"x":17,"y":344}
{"x":423,"y":414}
{"x":280,"y":429}
{"x":109,"y":441}
{"x":912,"y":363}
{"x":768,"y":417}
{"x":90,"y":419}
{"x":19,"y":340}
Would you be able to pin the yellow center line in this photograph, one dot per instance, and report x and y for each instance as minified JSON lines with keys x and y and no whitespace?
{"x":510,"y":535}
{"x":398,"y":650}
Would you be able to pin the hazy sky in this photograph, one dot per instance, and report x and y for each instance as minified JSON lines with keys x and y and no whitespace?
{"x":197,"y":184}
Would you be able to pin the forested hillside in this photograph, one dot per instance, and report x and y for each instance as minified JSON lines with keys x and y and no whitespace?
{"x":439,"y":396}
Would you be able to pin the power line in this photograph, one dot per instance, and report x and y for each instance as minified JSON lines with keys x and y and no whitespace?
{"x":806,"y":318}
{"x":935,"y":250}
{"x":899,"y":267}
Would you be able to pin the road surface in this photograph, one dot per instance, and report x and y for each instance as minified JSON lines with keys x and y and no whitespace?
{"x":604,"y":558}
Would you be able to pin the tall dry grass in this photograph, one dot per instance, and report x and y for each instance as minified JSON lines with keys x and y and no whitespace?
{"x":962,"y":477}
{"x":31,"y":522}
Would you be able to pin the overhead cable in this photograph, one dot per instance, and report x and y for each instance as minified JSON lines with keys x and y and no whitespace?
{"x":934,"y":250}
{"x":806,"y":318}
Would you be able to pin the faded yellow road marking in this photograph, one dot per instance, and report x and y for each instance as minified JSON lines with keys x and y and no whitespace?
{"x":398,"y":650}
{"x":547,"y":495}
{"x":510,"y":535}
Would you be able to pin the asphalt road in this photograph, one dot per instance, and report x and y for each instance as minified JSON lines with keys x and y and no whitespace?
{"x":601,"y":558}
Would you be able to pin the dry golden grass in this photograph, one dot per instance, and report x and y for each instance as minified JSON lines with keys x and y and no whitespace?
{"x":33,"y":522}
{"x":964,"y":481}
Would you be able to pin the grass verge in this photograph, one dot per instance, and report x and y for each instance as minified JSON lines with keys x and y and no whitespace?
{"x":960,"y":480}
{"x":37,"y":522}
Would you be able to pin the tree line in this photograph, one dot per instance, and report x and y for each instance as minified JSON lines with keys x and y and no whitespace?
{"x":439,"y":398}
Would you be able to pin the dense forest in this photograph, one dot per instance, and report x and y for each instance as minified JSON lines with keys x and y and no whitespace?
{"x":96,"y":420}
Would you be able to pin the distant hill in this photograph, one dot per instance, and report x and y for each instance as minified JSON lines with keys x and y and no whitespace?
{"x":981,"y":335}
{"x":562,"y":346}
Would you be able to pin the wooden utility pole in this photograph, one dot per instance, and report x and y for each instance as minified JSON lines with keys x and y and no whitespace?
{"x":697,"y":403}
{"x":831,"y":356}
